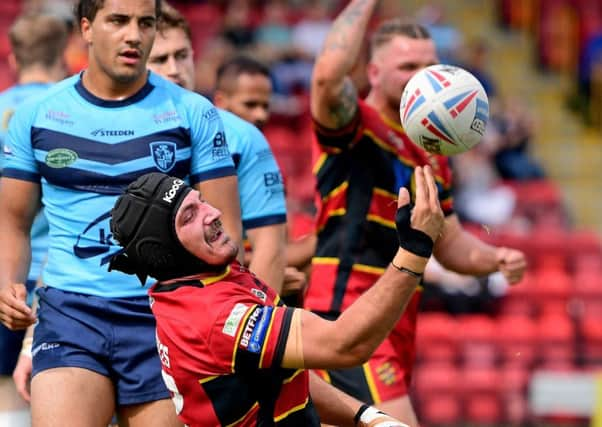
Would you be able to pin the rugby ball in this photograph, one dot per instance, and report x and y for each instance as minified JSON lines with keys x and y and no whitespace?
{"x":444,"y":109}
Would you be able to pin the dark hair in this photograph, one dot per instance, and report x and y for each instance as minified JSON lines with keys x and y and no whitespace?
{"x":171,"y":18}
{"x":234,"y":67}
{"x":38,"y":39}
{"x":89,"y":8}
{"x":396,"y":27}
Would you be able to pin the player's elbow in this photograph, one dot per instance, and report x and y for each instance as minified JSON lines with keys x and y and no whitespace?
{"x":349,"y":355}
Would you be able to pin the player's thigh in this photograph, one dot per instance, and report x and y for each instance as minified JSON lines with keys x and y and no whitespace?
{"x":401,"y":409}
{"x":71,"y":397}
{"x":160,"y":413}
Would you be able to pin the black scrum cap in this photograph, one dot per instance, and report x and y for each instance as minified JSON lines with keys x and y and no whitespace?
{"x":143,"y":222}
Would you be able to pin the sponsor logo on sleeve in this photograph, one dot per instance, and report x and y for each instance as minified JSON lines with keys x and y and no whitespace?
{"x":255,"y":329}
{"x":210,"y":115}
{"x":234,"y":318}
{"x":220,"y":148}
{"x":273,"y":183}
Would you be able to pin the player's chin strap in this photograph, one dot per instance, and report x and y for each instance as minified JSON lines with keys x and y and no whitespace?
{"x":368,"y":416}
{"x":121,"y":262}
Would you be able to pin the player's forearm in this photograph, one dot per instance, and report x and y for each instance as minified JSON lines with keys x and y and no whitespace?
{"x":269,"y":266}
{"x":333,"y":406}
{"x":366,"y":323}
{"x":300,"y":252}
{"x":461,"y":252}
{"x":344,"y":40}
{"x":16,"y":255}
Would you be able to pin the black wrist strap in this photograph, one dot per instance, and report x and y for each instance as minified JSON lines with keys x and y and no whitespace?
{"x":358,"y":414}
{"x":407,"y":271}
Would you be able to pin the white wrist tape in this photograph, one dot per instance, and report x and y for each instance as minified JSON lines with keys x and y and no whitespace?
{"x":374,"y":418}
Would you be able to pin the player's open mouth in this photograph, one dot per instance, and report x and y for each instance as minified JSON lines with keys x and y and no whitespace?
{"x":215,"y":232}
{"x":130,"y":55}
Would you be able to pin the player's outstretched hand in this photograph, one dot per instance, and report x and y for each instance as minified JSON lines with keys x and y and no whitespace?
{"x":419,"y":226}
{"x":15,"y":314}
{"x":511,"y":263}
{"x":372,"y":417}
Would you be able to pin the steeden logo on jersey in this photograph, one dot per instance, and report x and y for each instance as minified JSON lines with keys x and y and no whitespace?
{"x":112,"y":132}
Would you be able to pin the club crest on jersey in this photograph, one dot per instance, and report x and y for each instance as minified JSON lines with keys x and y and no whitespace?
{"x":164,"y":155}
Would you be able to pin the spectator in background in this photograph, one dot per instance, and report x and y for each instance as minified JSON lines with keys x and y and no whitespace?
{"x":237,"y":24}
{"x":37,"y":57}
{"x":512,"y":149}
{"x":448,"y":39}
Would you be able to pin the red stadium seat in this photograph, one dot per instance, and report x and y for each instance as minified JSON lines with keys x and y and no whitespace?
{"x":553,"y":289}
{"x":516,"y":340}
{"x":436,"y":337}
{"x":477,"y":340}
{"x":440,"y":410}
{"x":556,"y":339}
{"x":519,"y":298}
{"x":591,"y":331}
{"x":483,"y":409}
{"x":436,"y":378}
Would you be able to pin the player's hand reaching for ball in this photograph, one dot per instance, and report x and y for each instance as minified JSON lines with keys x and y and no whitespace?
{"x":418,"y":227}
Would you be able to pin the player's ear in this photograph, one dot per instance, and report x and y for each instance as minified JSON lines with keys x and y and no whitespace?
{"x":220,"y":99}
{"x":86,"y":29}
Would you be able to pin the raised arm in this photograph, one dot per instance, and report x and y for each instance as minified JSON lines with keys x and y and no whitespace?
{"x":333,"y":95}
{"x":19,"y":203}
{"x":314,"y":342}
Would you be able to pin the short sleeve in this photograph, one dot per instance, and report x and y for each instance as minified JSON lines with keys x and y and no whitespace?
{"x":210,"y":155}
{"x":334,"y":141}
{"x":260,"y":182}
{"x":247,"y":337}
{"x":19,"y":160}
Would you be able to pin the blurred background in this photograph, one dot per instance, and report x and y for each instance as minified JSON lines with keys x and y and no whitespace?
{"x":488,"y":355}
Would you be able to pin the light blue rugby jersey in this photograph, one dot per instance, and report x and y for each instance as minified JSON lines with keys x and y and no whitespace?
{"x":10,"y":99}
{"x":85,"y":151}
{"x":260,"y":186}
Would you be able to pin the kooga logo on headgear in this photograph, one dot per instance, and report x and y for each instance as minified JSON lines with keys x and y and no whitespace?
{"x":171,"y":193}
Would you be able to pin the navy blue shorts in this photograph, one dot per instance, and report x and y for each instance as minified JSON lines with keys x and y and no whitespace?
{"x":114,"y":337}
{"x":10,"y":342}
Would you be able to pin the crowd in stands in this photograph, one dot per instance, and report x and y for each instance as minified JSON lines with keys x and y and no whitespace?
{"x":478,"y":340}
{"x":568,"y":36}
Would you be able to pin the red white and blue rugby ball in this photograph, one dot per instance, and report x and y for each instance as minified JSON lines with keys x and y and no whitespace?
{"x":444,"y":109}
